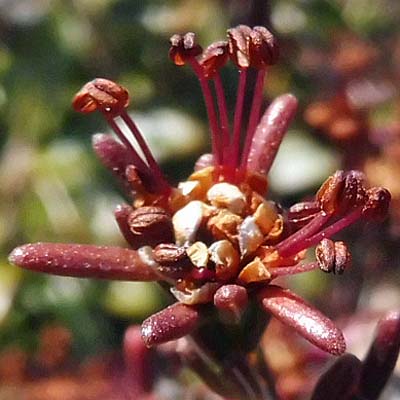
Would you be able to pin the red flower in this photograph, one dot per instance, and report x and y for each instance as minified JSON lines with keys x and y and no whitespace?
{"x":214,"y":240}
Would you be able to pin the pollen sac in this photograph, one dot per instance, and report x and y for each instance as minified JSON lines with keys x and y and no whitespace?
{"x":198,"y":254}
{"x":250,"y":236}
{"x":238,"y":42}
{"x":183,"y":47}
{"x":201,"y":295}
{"x":255,"y":271}
{"x":227,"y":196}
{"x":213,"y":58}
{"x":328,"y":196}
{"x":224,"y":225}
{"x":226,"y":259}
{"x":188,"y":219}
{"x":354,"y":193}
{"x":333,"y":256}
{"x":265,"y":216}
{"x":102,"y":95}
{"x":263,"y":47}
{"x":377,"y":205}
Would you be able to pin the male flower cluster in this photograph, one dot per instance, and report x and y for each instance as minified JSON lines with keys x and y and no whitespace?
{"x":214,"y":241}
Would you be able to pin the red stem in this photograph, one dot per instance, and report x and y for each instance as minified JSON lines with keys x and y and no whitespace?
{"x":212,"y":116}
{"x":296,"y":242}
{"x":139,"y":163}
{"x":292,"y":270}
{"x":154,"y":167}
{"x":237,"y":120}
{"x":223,"y":114}
{"x":254,"y":115}
{"x":334,"y":228}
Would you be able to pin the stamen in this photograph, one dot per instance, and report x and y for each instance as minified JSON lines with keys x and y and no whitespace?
{"x":216,"y":144}
{"x":238,"y":42}
{"x":154,"y":167}
{"x":138,"y":162}
{"x":223,"y":114}
{"x":112,"y":100}
{"x":294,"y":269}
{"x":254,"y":115}
{"x":184,"y":49}
{"x":157,"y":183}
{"x":334,"y":228}
{"x":295,"y":243}
{"x":237,"y":119}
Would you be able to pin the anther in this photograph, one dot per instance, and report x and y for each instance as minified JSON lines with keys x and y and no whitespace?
{"x":332,"y":256}
{"x":376,"y":207}
{"x":263,"y":48}
{"x":213,"y":58}
{"x":102,"y":95}
{"x":183,"y":47}
{"x":239,"y":41}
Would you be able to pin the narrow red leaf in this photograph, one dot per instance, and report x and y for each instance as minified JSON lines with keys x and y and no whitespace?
{"x":82,"y":261}
{"x":339,"y":381}
{"x":138,"y":363}
{"x":310,"y":323}
{"x":382,"y":356}
{"x":113,"y":154}
{"x":171,"y":323}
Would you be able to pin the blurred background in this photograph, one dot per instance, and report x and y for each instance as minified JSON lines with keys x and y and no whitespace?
{"x":341,"y":58}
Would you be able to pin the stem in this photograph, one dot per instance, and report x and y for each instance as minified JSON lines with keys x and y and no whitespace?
{"x":296,"y":242}
{"x":237,"y":120}
{"x":212,"y":116}
{"x":223,"y":114}
{"x":294,"y":269}
{"x":154,"y":167}
{"x":334,"y":228}
{"x":266,"y":373}
{"x":227,"y":351}
{"x":254,"y":115}
{"x":139,"y":163}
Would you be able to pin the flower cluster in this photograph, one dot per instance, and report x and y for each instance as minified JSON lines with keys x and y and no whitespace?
{"x":214,"y":241}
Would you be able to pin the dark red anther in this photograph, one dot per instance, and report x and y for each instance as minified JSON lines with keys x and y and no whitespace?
{"x":354,"y":193}
{"x":377,"y":205}
{"x":183,"y":47}
{"x":213,"y":58}
{"x":263,"y":48}
{"x":102,"y":95}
